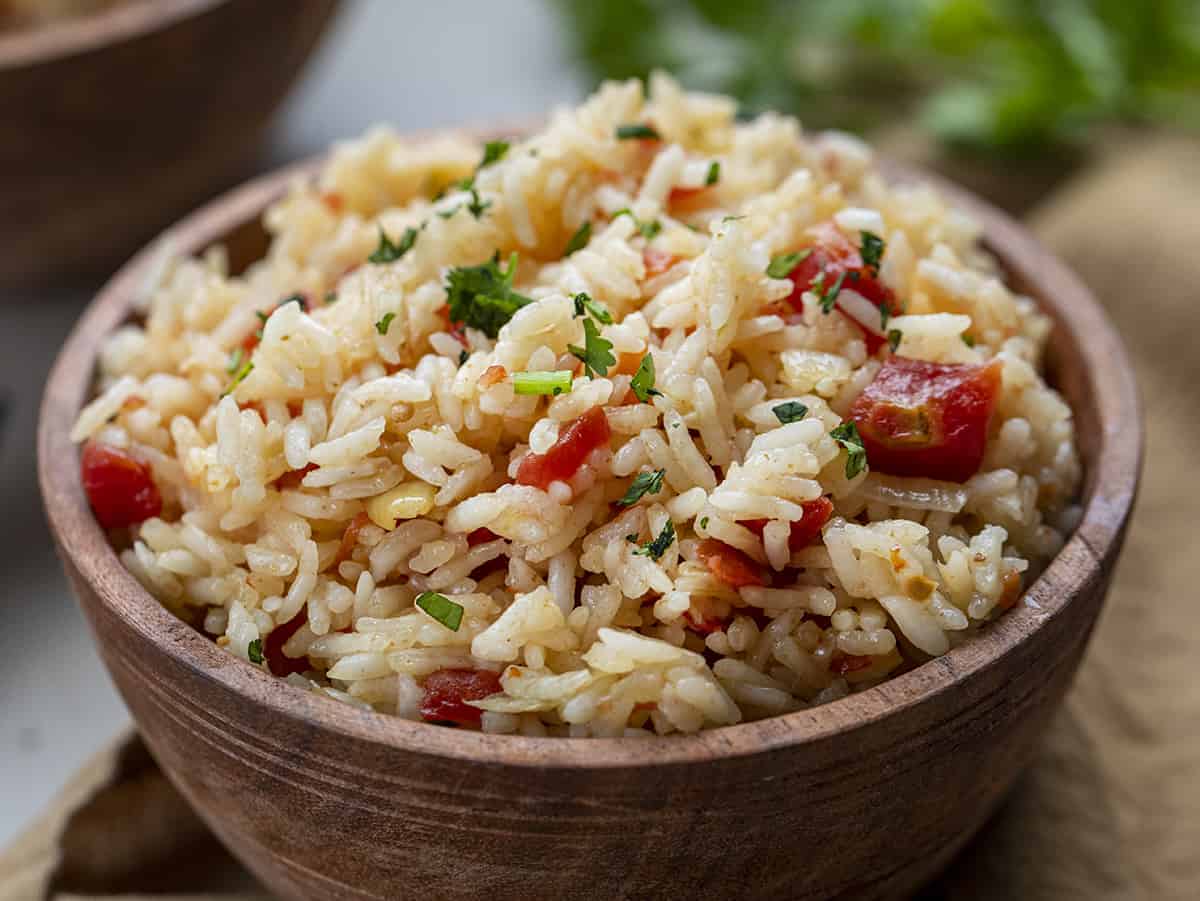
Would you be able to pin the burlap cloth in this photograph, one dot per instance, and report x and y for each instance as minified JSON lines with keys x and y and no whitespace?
{"x":1110,"y":809}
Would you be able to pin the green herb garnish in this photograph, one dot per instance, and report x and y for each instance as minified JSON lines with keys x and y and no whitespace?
{"x":493,"y":152}
{"x":828,"y":299}
{"x":643,"y":380}
{"x":235,"y":360}
{"x":476,"y":206}
{"x":637,"y":130}
{"x":579,"y":240}
{"x":596,"y":352}
{"x":254,"y":651}
{"x":781,"y":266}
{"x":385,"y":323}
{"x":644,"y":483}
{"x":330,"y":297}
{"x":389,"y":252}
{"x":968,"y":340}
{"x":441,"y":608}
{"x":893,"y":337}
{"x":647,"y":230}
{"x":556,"y":382}
{"x":704,"y":522}
{"x":585,"y":304}
{"x":885,"y":313}
{"x":239,"y":376}
{"x":791,"y":411}
{"x":847,"y":436}
{"x":463,"y":356}
{"x":482,"y":296}
{"x":714,"y":174}
{"x":872,"y":251}
{"x":656,"y":548}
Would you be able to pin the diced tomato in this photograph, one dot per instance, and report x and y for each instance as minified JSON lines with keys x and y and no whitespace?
{"x":805,"y":530}
{"x":927,"y":419}
{"x":569,"y":452}
{"x":448,"y":690}
{"x":119,"y":486}
{"x":645,"y":705}
{"x":849,"y":663}
{"x":291,"y":479}
{"x":481,"y":535}
{"x":833,"y":254}
{"x":333,"y":201}
{"x":627,"y":363}
{"x":493,"y":375}
{"x":454,"y":328}
{"x":278,"y":662}
{"x":703,"y":625}
{"x":350,"y":539}
{"x":657,"y":262}
{"x":730,"y":565}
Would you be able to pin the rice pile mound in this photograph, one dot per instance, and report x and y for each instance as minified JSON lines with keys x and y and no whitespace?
{"x":539,"y":445}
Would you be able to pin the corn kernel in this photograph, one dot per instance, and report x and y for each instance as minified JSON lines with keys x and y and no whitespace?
{"x":407,"y":501}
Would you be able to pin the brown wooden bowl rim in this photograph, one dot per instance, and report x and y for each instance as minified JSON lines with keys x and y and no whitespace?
{"x":1089,"y":551}
{"x":81,"y":34}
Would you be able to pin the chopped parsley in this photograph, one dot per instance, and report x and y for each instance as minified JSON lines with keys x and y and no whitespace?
{"x":585,"y":304}
{"x":704,"y":522}
{"x":885,"y":313}
{"x":493,"y":152}
{"x":556,"y":382}
{"x":828,"y":299}
{"x":781,"y":266}
{"x":656,"y":548}
{"x":637,"y":130}
{"x":647,"y":230}
{"x":643,"y":380}
{"x":385,"y":323}
{"x":644,"y":483}
{"x":596,"y":352}
{"x":463,"y":356}
{"x":238,"y":377}
{"x":731,"y":218}
{"x":872,"y":251}
{"x":476,"y":206}
{"x":714,"y":174}
{"x":482,"y":296}
{"x":389,"y":252}
{"x":790,"y":411}
{"x":298,"y":299}
{"x":579,"y":240}
{"x":968,"y":340}
{"x":254,"y":651}
{"x":847,"y":436}
{"x":330,"y":297}
{"x":441,"y":608}
{"x":235,"y":360}
{"x":894,"y":337}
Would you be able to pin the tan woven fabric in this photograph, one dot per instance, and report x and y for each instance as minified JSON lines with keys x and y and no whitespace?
{"x":1110,"y":809}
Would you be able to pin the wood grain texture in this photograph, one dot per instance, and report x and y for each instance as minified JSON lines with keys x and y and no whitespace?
{"x":116,"y":123}
{"x":866,"y":797}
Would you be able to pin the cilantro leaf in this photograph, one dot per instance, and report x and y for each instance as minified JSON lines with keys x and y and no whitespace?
{"x":330,"y":297}
{"x":885,"y":313}
{"x":872,"y":251}
{"x":463,"y":356}
{"x":583,"y":301}
{"x":239,"y":376}
{"x":493,"y":152}
{"x":637,"y":130}
{"x":596,"y":352}
{"x":656,"y":548}
{"x":643,"y":380}
{"x":385,"y":323}
{"x":894,"y":336}
{"x":254,"y":651}
{"x":476,"y":206}
{"x":847,"y":436}
{"x":644,"y":483}
{"x":790,"y":411}
{"x":714,"y":174}
{"x":441,"y":608}
{"x":388,"y":252}
{"x":828,"y":299}
{"x":646,"y":229}
{"x":482,"y":296}
{"x":781,"y":266}
{"x":579,"y":240}
{"x":968,"y":340}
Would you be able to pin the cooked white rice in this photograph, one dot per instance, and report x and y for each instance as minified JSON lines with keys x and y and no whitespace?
{"x":589,"y":636}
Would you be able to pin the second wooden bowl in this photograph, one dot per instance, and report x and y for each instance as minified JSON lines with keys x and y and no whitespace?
{"x":866,"y":797}
{"x":118,"y":122}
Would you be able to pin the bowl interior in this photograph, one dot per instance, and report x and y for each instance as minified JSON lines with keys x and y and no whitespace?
{"x":1086,"y":361}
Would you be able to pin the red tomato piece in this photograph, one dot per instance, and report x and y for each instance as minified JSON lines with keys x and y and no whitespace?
{"x":493,"y":375}
{"x":119,"y":486}
{"x":729,"y":564}
{"x":290,"y":480}
{"x":278,"y":662}
{"x":657,"y":261}
{"x":705,"y":626}
{"x":834,"y":255}
{"x":575,"y":442}
{"x":448,"y":690}
{"x":927,"y":419}
{"x":481,"y":535}
{"x":804,"y":531}
{"x":454,"y":328}
{"x":849,"y":663}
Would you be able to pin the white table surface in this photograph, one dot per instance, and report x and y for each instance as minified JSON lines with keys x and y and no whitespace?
{"x":412,"y":63}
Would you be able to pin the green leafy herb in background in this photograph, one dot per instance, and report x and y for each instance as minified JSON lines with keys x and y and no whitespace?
{"x":1000,"y":75}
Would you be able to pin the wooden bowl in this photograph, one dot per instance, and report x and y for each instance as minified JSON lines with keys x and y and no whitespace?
{"x":866,"y":797}
{"x":118,"y":122}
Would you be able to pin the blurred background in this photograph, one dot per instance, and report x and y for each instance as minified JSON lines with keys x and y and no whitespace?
{"x":1033,"y":104}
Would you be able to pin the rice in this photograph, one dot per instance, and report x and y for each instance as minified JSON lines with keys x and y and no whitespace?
{"x":357,"y":493}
